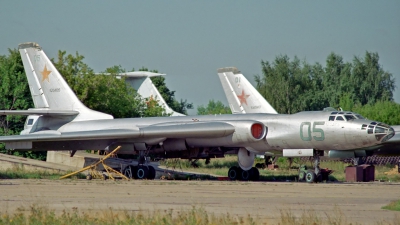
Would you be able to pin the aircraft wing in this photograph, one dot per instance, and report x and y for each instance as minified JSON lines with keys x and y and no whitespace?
{"x":44,"y":112}
{"x":184,"y":130}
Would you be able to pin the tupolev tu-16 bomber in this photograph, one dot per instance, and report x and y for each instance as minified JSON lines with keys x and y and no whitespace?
{"x":60,"y":121}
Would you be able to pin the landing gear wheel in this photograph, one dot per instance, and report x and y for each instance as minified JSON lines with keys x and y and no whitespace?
{"x":255,"y":174}
{"x":89,"y":177}
{"x":142,"y":172}
{"x":246,"y":175}
{"x":105,"y":177}
{"x":152,"y":173}
{"x":302,"y":175}
{"x":233,"y":173}
{"x":310,"y":176}
{"x":128,"y":172}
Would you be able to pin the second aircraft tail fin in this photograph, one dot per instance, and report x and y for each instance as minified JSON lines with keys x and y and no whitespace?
{"x":241,"y":95}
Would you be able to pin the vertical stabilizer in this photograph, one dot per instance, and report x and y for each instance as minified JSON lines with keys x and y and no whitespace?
{"x":241,"y":95}
{"x":48,"y":88}
{"x":141,"y":82}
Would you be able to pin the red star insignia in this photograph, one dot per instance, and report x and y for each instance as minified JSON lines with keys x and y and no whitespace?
{"x":243,"y":98}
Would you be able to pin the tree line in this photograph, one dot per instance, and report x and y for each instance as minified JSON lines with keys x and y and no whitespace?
{"x":291,"y":86}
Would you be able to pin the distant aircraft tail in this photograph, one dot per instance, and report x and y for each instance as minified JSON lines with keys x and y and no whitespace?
{"x":241,"y":95}
{"x":49,"y":90}
{"x":141,"y":82}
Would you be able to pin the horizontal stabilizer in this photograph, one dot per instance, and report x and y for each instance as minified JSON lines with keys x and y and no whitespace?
{"x":44,"y":112}
{"x":135,"y":74}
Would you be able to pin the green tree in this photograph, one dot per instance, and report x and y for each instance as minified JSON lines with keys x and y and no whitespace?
{"x":100,"y":92}
{"x":293,"y":86}
{"x":382,"y":111}
{"x":372,"y":83}
{"x":213,"y":107}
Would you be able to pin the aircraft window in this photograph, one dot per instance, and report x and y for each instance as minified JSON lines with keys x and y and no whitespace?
{"x":371,"y":126}
{"x":30,"y":122}
{"x":349,"y":117}
{"x":373,"y":123}
{"x":332,"y":118}
{"x":359,"y":117}
{"x":341,"y":113}
{"x":349,"y":113}
{"x":364,"y":127}
{"x":379,"y":130}
{"x":339,"y":118}
{"x":334,"y":112}
{"x":370,"y":130}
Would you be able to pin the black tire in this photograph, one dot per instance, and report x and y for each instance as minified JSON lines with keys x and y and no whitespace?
{"x":128,"y":172}
{"x":89,"y":177}
{"x":105,"y":177}
{"x":302,"y":175}
{"x":310,"y":176}
{"x":142,"y":172}
{"x":246,"y":175}
{"x":233,"y":173}
{"x":255,"y":174}
{"x":152,"y":173}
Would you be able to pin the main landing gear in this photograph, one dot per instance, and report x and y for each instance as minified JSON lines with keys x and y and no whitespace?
{"x":142,"y":171}
{"x":237,"y":173}
{"x":311,"y":175}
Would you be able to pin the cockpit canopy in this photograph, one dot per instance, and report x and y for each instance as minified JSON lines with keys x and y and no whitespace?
{"x":344,"y":116}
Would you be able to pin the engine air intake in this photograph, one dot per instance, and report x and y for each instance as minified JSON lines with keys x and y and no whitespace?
{"x":257,"y":131}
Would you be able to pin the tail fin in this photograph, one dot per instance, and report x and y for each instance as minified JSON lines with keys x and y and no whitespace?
{"x":48,"y":88}
{"x":241,"y":95}
{"x":140,"y":81}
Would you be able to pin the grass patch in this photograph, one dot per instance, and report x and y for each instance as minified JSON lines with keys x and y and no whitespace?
{"x":37,"y":214}
{"x":394,"y":206}
{"x":19,"y":172}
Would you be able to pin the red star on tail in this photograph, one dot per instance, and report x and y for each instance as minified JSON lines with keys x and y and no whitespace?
{"x":243,"y":98}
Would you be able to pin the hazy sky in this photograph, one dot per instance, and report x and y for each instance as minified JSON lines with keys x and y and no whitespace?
{"x":189,"y":40}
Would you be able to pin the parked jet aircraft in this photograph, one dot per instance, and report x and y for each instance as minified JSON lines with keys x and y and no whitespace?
{"x":244,"y":98}
{"x":60,"y":121}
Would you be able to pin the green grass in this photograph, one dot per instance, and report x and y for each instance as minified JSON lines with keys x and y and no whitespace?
{"x":394,"y":206}
{"x":38,"y":214}
{"x":19,"y":172}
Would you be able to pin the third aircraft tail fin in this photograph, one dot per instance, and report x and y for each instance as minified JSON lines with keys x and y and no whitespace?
{"x":241,"y":95}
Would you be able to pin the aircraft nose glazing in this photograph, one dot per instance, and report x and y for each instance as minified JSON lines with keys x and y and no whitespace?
{"x":383,"y":132}
{"x":390,"y":134}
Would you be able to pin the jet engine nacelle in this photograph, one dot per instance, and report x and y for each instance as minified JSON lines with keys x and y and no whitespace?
{"x":245,"y":132}
{"x":174,"y":144}
{"x":246,"y":158}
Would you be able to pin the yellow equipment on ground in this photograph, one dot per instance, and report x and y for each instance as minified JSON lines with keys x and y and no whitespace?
{"x":94,"y":173}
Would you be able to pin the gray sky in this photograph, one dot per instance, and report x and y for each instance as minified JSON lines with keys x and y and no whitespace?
{"x":189,"y":40}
